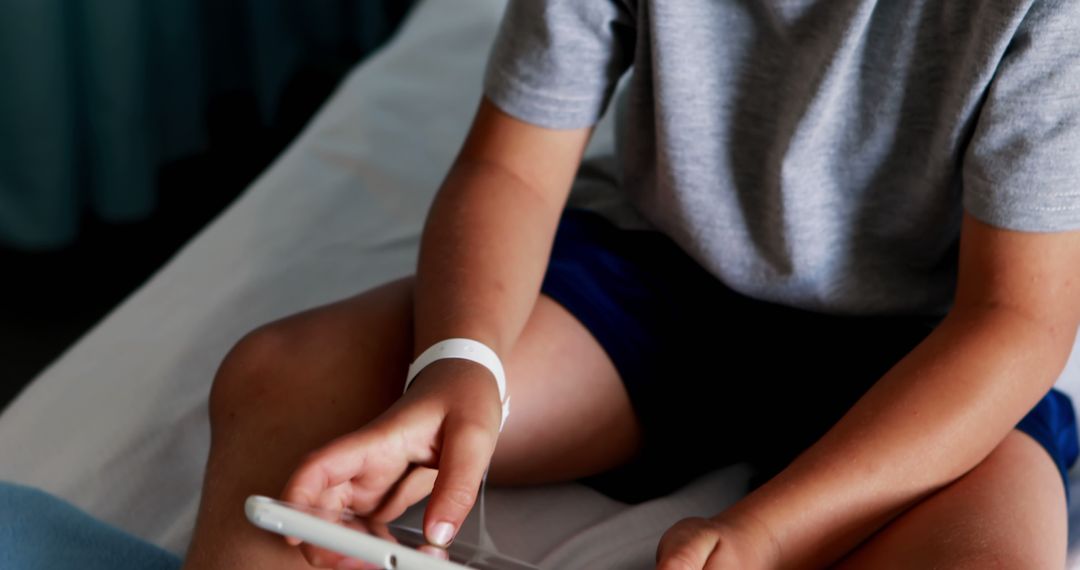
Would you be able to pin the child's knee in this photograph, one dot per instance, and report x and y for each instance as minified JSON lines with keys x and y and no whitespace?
{"x":253,"y":375}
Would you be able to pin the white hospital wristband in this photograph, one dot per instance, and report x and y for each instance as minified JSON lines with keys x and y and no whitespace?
{"x":465,"y":349}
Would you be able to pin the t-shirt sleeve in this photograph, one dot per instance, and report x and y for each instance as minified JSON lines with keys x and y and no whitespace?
{"x":1022,"y":168}
{"x":555,"y":63}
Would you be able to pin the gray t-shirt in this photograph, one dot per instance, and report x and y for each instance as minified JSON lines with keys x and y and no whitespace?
{"x":816,"y":153}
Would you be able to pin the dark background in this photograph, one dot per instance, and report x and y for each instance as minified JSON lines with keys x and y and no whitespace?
{"x":50,"y":298}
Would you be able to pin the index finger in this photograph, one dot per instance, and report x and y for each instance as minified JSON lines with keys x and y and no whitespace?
{"x":328,"y":467}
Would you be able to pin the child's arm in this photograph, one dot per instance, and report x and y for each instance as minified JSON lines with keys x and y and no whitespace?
{"x":483,"y":254}
{"x":482,"y":259}
{"x":933,"y":417}
{"x":490,"y":229}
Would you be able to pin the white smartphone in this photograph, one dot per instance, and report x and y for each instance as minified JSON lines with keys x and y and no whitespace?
{"x":391,"y":546}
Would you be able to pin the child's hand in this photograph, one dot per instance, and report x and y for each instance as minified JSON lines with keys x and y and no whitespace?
{"x":448,"y":420}
{"x":715,"y":544}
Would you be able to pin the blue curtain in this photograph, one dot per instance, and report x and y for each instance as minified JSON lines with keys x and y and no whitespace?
{"x":97,"y":94}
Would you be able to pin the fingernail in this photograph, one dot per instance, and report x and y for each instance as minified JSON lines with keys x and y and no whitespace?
{"x":441,"y":534}
{"x":350,"y":564}
{"x":435,"y":551}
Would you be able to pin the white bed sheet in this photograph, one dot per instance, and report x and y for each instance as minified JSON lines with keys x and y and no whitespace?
{"x":118,"y":424}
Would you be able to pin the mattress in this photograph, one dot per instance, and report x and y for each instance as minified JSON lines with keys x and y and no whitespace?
{"x":118,"y":424}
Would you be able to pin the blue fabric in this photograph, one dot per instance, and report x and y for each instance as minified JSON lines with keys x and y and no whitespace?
{"x":41,"y":532}
{"x":761,"y":384}
{"x":1052,"y":423}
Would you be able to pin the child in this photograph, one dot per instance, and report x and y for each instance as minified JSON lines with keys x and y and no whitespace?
{"x":855,"y":265}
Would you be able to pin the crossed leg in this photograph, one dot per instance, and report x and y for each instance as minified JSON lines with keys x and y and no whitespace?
{"x":1007,"y":512}
{"x":294,"y":385}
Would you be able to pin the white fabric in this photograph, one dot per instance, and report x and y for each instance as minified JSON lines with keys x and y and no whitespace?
{"x":118,"y":424}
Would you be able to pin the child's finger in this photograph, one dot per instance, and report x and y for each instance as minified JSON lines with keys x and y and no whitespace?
{"x":466,"y":452}
{"x":410,"y":490}
{"x":435,"y":551}
{"x":320,"y":557}
{"x":383,"y":532}
{"x":353,"y":471}
{"x":328,"y":467}
{"x":687,"y":545}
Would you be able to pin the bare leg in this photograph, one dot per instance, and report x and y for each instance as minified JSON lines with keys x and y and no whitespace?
{"x":294,"y":385}
{"x":1008,"y":512}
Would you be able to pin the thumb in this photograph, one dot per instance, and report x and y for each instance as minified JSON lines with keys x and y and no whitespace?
{"x":466,"y":453}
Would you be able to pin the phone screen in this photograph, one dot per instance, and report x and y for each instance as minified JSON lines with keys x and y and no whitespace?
{"x":467,"y":555}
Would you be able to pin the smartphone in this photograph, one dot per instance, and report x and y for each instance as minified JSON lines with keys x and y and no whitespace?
{"x":391,"y":546}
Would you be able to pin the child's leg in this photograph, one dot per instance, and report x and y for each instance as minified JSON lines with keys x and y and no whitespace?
{"x":1008,"y":512}
{"x":294,"y":385}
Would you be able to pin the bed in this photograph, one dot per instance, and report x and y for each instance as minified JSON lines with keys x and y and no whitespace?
{"x":118,"y":424}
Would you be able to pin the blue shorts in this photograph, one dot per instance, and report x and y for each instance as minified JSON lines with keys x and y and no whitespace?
{"x":761,"y":384}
